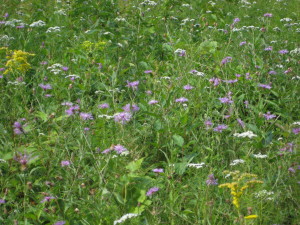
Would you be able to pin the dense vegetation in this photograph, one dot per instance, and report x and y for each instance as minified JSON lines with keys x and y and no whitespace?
{"x":149,"y":112}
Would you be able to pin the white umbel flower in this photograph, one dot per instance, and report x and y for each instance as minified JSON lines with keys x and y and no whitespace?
{"x":248,"y":134}
{"x":38,"y":23}
{"x":125,"y":217}
{"x":260,"y":156}
{"x":236,"y":162}
{"x":196,"y":165}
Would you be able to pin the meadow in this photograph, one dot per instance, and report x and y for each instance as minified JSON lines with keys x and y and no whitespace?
{"x":149,"y":112}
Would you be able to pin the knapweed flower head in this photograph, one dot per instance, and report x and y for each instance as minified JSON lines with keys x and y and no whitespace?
{"x":47,"y":199}
{"x":220,"y":128}
{"x":22,"y":158}
{"x":86,"y":116}
{"x":122,"y":117}
{"x":73,"y":109}
{"x":269,"y":116}
{"x":134,"y":85}
{"x":226,"y":60}
{"x":151,"y":191}
{"x":268,"y":15}
{"x":131,"y":108}
{"x":2,"y":201}
{"x":152,"y":102}
{"x":18,"y":128}
{"x":241,"y":122}
{"x":236,"y":162}
{"x":188,"y":87}
{"x":211,"y":180}
{"x":148,"y":71}
{"x":208,"y":124}
{"x":158,"y":170}
{"x":119,"y":149}
{"x":45,"y":86}
{"x":60,"y":222}
{"x":272,"y":72}
{"x":181,"y":100}
{"x":103,"y":106}
{"x":215,"y":81}
{"x":243,"y":43}
{"x":270,"y":48}
{"x":283,"y":51}
{"x":266,"y":86}
{"x":65,"y":163}
{"x":296,"y":130}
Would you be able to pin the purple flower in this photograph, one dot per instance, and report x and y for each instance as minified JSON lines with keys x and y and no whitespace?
{"x":208,"y":124}
{"x":270,"y":48}
{"x":248,"y":77}
{"x":220,"y":128}
{"x":106,"y":151}
{"x":133,"y":85}
{"x":292,"y":170}
{"x":86,"y":116}
{"x":182,"y":99}
{"x":103,"y":106}
{"x":45,"y":86}
{"x":158,"y":170}
{"x":2,"y":201}
{"x":48,"y":95}
{"x":47,"y":199}
{"x":267,"y":86}
{"x":226,"y":100}
{"x":226,"y":60}
{"x":67,"y":103}
{"x":60,"y":222}
{"x":44,"y":63}
{"x":284,"y":51}
{"x":246,"y":104}
{"x":242,"y":124}
{"x":268,"y":15}
{"x":99,"y":66}
{"x":211,"y":180}
{"x":230,"y":81}
{"x":188,"y":87}
{"x":6,"y":15}
{"x":133,"y":108}
{"x":243,"y":43}
{"x":65,"y":163}
{"x":122,"y":117}
{"x":18,"y":128}
{"x":215,"y":81}
{"x":269,"y":116}
{"x":152,"y":190}
{"x":148,"y":71}
{"x":149,"y":92}
{"x":120,"y":148}
{"x":20,"y":27}
{"x":152,"y":102}
{"x":127,"y":108}
{"x":65,"y":68}
{"x":296,"y":130}
{"x":180,"y":52}
{"x":236,"y":20}
{"x":86,"y":129}
{"x":272,"y":72}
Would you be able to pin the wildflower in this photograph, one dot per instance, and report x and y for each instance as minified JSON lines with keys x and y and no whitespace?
{"x":152,"y":102}
{"x":2,"y":201}
{"x":251,"y":216}
{"x":243,"y":43}
{"x":215,"y":81}
{"x":47,"y":199}
{"x":65,"y":68}
{"x":226,"y":60}
{"x":180,"y":52}
{"x":119,"y":149}
{"x":220,"y":128}
{"x":65,"y":163}
{"x":53,"y":29}
{"x":182,"y":99}
{"x":248,"y":77}
{"x":106,"y":151}
{"x":125,"y":217}
{"x":133,"y":108}
{"x":39,"y":23}
{"x":151,"y":191}
{"x":133,"y":85}
{"x":197,"y":73}
{"x":269,"y":116}
{"x":248,"y":134}
{"x":148,"y":71}
{"x":270,"y":48}
{"x":226,"y":100}
{"x":259,"y":156}
{"x":103,"y":106}
{"x":292,"y":170}
{"x":267,"y":86}
{"x":211,"y":180}
{"x":272,"y":72}
{"x":60,"y":222}
{"x":158,"y":170}
{"x":242,"y":124}
{"x":246,"y":104}
{"x":196,"y":165}
{"x":18,"y":128}
{"x":17,"y":61}
{"x":268,"y":15}
{"x":208,"y":124}
{"x":148,"y":92}
{"x":296,"y":130}
{"x":86,"y":116}
{"x":230,"y":81}
{"x":284,"y":51}
{"x":236,"y":162}
{"x":122,"y":117}
{"x":45,"y":86}
{"x":188,"y":87}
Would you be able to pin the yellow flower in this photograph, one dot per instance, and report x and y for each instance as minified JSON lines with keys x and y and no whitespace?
{"x":251,"y":217}
{"x":17,"y":60}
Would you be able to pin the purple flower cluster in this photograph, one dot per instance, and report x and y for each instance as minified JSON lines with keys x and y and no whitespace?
{"x":226,"y":60}
{"x":158,"y":170}
{"x":220,"y":128}
{"x":269,"y":116}
{"x":65,"y":163}
{"x":151,"y":191}
{"x":227,"y":100}
{"x":211,"y":180}
{"x":103,"y":106}
{"x":86,"y":116}
{"x":45,"y":86}
{"x":131,"y":108}
{"x":134,"y":85}
{"x":18,"y":128}
{"x":266,"y":86}
{"x":215,"y":81}
{"x":117,"y":148}
{"x":47,"y":199}
{"x":122,"y":117}
{"x":181,"y":100}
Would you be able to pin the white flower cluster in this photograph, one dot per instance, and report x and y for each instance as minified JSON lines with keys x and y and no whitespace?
{"x":14,"y":23}
{"x":197,"y":73}
{"x":74,"y":76}
{"x":2,"y":161}
{"x":53,"y":29}
{"x":120,"y":19}
{"x":6,"y":38}
{"x":296,"y":123}
{"x":196,"y":165}
{"x":38,"y":23}
{"x":260,"y":156}
{"x":296,"y":51}
{"x":148,"y":2}
{"x":264,"y":194}
{"x":187,"y":5}
{"x":245,"y":28}
{"x":16,"y":83}
{"x":286,"y":20}
{"x":55,"y":68}
{"x":236,"y":162}
{"x":125,"y":217}
{"x":184,"y":21}
{"x":61,"y":12}
{"x":106,"y":116}
{"x":248,"y":134}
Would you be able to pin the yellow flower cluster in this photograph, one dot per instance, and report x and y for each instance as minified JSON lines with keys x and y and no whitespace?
{"x":90,"y":46}
{"x":17,"y":61}
{"x":241,"y":181}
